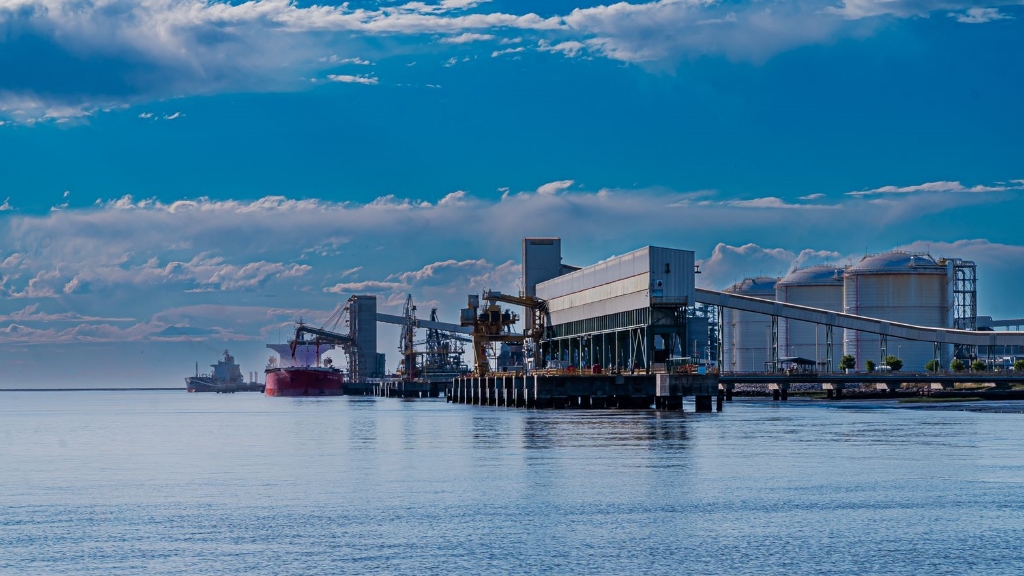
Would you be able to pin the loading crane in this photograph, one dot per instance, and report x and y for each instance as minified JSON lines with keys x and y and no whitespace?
{"x":492,"y":324}
{"x":323,"y":336}
{"x":441,"y":341}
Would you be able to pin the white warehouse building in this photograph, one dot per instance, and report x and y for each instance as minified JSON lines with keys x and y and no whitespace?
{"x":627,"y":312}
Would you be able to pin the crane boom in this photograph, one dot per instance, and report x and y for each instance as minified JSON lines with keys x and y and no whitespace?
{"x":325,"y":336}
{"x":431,"y":324}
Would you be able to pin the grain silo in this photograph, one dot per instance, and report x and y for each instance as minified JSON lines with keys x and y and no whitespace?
{"x":745,"y":335}
{"x":814,"y":286}
{"x":902,"y":287}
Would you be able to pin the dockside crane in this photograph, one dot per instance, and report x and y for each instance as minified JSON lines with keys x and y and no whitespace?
{"x":323,"y":336}
{"x":440,"y":337}
{"x":491,"y":324}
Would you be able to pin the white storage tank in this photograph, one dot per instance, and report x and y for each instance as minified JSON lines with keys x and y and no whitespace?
{"x":817,"y":287}
{"x":745,"y":335}
{"x":902,"y":287}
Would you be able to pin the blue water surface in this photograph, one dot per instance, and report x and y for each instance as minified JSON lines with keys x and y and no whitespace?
{"x":176,"y":483}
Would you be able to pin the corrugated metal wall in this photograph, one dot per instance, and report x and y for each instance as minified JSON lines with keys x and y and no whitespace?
{"x":648,"y":276}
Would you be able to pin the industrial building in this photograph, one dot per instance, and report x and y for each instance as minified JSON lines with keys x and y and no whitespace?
{"x":542,"y":261}
{"x":747,"y":336}
{"x":628,"y":312}
{"x":364,"y":362}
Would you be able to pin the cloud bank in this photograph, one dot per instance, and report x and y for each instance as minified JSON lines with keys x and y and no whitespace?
{"x":127,"y":268}
{"x":104,"y":55}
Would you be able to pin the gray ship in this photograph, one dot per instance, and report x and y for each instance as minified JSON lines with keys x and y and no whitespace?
{"x":226,"y":377}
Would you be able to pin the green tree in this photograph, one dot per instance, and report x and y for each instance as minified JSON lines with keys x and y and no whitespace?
{"x":894,"y":363}
{"x":978,"y":366}
{"x":847,"y":362}
{"x":957,"y":365}
{"x":1018,"y":366}
{"x":932,"y":365}
{"x":870,"y":364}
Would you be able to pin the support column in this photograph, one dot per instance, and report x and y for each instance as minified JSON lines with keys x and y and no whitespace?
{"x":775,"y":345}
{"x":702,"y":403}
{"x":828,"y":348}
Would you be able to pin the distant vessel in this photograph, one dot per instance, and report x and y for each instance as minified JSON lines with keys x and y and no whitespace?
{"x":300,"y":372}
{"x":226,"y":377}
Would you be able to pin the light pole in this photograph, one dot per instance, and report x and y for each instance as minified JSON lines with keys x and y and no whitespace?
{"x":898,"y":355}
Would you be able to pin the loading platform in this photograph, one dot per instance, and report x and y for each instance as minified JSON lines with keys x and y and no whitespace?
{"x":662,"y":391}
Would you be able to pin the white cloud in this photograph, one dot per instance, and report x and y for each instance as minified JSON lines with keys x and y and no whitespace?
{"x":554,"y":187}
{"x":506,"y":51}
{"x":457,"y":198}
{"x":980,"y":16}
{"x":569,"y":48}
{"x":729,"y":264}
{"x":350,"y":79}
{"x":32,"y":313}
{"x":770,"y":202}
{"x":369,"y":286}
{"x":466,"y":38}
{"x":817,"y":196}
{"x":858,"y":9}
{"x":6,"y":206}
{"x":939,"y":186}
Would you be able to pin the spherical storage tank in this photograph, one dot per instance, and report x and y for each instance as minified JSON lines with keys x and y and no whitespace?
{"x":817,"y":287}
{"x":902,"y":287}
{"x":746,"y":335}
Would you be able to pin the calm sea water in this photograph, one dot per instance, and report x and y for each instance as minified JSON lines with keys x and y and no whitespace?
{"x":176,"y":483}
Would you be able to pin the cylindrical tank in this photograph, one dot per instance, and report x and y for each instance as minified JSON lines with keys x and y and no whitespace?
{"x":746,"y":336}
{"x":902,"y":287}
{"x":814,"y":286}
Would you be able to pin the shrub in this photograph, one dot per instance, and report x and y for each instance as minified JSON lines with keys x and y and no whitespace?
{"x":957,"y":365}
{"x":847,"y":362}
{"x":894,"y":363}
{"x":978,"y":366}
{"x":1018,"y":366}
{"x":870,"y":364}
{"x":932,"y":365}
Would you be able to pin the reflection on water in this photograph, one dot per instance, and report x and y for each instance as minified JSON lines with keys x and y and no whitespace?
{"x":165,"y":483}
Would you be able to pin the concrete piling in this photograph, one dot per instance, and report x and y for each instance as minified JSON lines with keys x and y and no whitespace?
{"x":596,"y":391}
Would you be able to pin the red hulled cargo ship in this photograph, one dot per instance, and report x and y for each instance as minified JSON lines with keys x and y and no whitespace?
{"x":301,"y":371}
{"x":304,"y":381}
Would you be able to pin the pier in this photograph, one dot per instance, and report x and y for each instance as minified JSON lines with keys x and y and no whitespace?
{"x":835,"y":383}
{"x":662,"y":391}
{"x":402,"y":389}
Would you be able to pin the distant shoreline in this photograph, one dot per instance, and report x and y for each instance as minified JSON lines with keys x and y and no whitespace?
{"x":87,"y":389}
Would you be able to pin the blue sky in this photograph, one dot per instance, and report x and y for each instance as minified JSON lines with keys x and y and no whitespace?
{"x":181,"y":176}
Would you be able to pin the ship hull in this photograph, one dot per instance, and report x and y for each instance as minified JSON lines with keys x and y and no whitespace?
{"x":201,"y":384}
{"x":304,"y":382}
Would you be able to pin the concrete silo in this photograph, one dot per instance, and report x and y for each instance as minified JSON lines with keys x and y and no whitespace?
{"x":902,"y":287}
{"x":746,"y":336}
{"x":814,"y":286}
